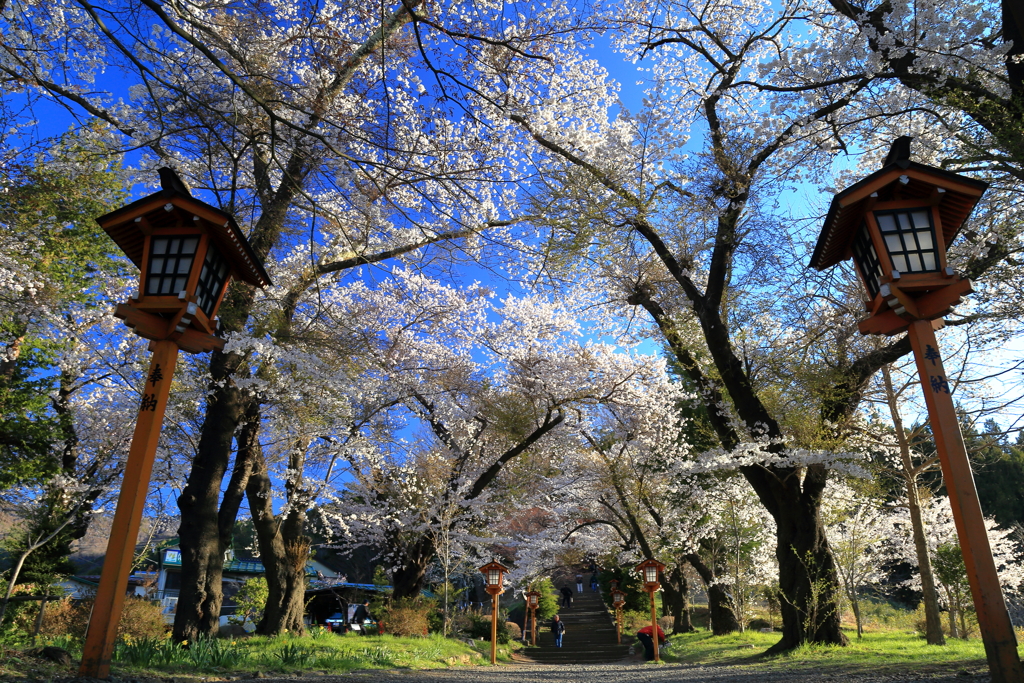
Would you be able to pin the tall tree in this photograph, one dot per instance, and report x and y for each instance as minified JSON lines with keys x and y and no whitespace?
{"x":55,"y":371}
{"x":370,"y":128}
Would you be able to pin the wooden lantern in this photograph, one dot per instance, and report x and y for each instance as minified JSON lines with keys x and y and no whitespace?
{"x":650,"y":572}
{"x":896,"y":224}
{"x":494,"y":575}
{"x":187,"y":252}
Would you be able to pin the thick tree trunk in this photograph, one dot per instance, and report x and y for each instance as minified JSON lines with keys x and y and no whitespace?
{"x":684,"y":622}
{"x":676,"y":599}
{"x":202,"y":551}
{"x":723,"y":615}
{"x":807,"y":577}
{"x":284,"y":548}
{"x":410,"y":576}
{"x":808,"y":580}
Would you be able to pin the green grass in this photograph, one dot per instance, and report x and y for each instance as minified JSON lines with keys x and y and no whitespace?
{"x":318,"y":652}
{"x":878,"y":651}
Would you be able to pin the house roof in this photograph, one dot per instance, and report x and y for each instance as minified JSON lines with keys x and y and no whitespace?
{"x":172,"y":558}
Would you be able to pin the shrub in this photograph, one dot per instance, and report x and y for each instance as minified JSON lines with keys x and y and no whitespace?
{"x":251,"y":599}
{"x":65,"y":618}
{"x":547,"y":604}
{"x":480,"y":628}
{"x":140,"y":619}
{"x":514,"y":632}
{"x":408,"y":617}
{"x":634,"y":620}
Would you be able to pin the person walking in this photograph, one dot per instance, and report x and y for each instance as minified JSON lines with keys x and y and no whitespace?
{"x":593,"y":582}
{"x":558,"y":629}
{"x":579,"y":584}
{"x":646,"y":638}
{"x":566,"y":597}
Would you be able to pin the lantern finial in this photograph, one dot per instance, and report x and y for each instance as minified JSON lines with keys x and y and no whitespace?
{"x":169,"y":180}
{"x":899,"y":152}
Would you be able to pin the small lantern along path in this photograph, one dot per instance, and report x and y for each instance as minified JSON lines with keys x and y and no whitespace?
{"x":494,"y":573}
{"x":650,"y":573}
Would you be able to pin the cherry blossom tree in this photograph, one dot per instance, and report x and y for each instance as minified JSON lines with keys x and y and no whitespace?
{"x":369,"y":128}
{"x":859,"y":531}
{"x":950,"y":574}
{"x":492,"y":403}
{"x":689,"y":239}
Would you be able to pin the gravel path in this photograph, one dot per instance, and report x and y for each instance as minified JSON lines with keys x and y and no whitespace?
{"x":635,"y":673}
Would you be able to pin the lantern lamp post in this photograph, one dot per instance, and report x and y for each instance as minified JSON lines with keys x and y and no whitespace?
{"x":896,"y":225}
{"x":533,"y":602}
{"x":618,"y":601}
{"x":494,"y":574}
{"x":650,"y":572}
{"x":187,"y":252}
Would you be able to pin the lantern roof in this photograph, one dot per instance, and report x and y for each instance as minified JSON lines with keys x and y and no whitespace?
{"x":173,"y":207}
{"x":649,"y":562}
{"x":494,"y":564}
{"x":954,"y":197}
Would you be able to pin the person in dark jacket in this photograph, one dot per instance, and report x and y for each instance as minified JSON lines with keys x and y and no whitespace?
{"x":646,"y":637}
{"x":566,"y":596}
{"x":558,"y":629}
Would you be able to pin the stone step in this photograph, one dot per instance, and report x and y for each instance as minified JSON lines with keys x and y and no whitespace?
{"x":589,"y":635}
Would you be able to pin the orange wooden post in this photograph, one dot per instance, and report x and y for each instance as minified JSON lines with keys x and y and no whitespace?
{"x":494,"y":628}
{"x":654,"y":626}
{"x":106,"y":611}
{"x":993,"y":618}
{"x":533,"y":631}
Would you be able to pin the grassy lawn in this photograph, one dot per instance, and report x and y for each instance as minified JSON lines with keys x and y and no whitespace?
{"x":211,"y":659}
{"x":879,"y":650}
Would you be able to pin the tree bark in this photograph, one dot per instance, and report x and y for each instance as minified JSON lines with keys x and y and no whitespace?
{"x":199,"y":535}
{"x":284,"y":548}
{"x":409,"y":578}
{"x":930,"y":596}
{"x":676,"y":598}
{"x":723,"y":616}
{"x":855,"y":605}
{"x":808,"y":580}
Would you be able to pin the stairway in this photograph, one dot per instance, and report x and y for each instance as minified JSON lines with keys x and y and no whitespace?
{"x":589,"y":635}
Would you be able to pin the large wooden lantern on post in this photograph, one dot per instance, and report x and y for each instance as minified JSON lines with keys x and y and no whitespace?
{"x":494,"y":574}
{"x":896,"y":225}
{"x":618,"y":602}
{"x":650,"y":573}
{"x":532,"y":603}
{"x":187,"y":252}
